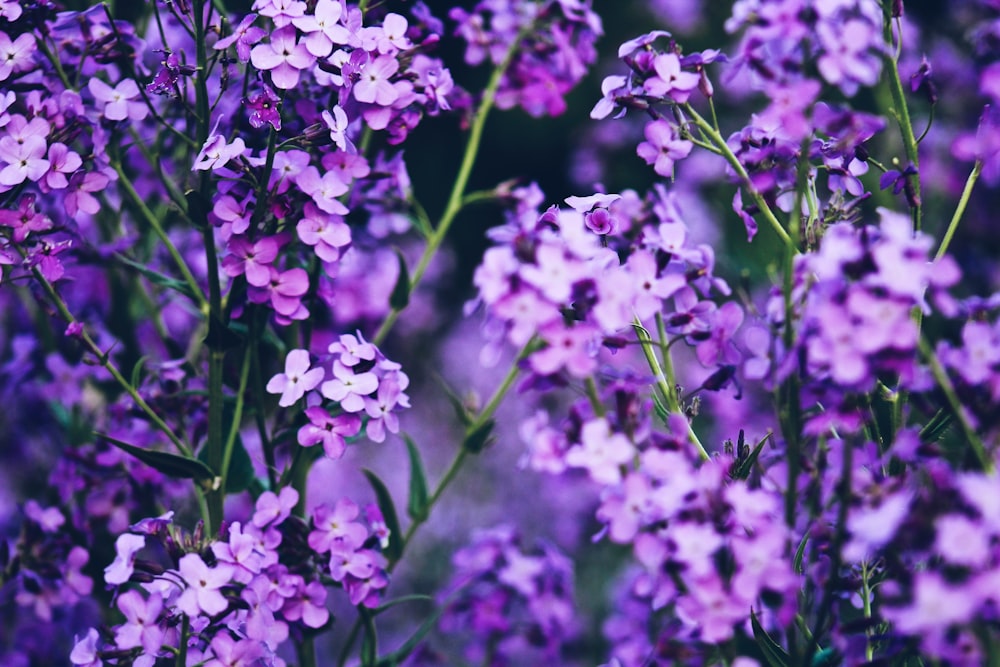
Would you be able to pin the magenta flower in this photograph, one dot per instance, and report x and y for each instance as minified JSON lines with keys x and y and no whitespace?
{"x":327,"y":234}
{"x":272,"y":508}
{"x":348,"y":388}
{"x":141,"y":627}
{"x":353,"y":349}
{"x":602,"y":452}
{"x":297,"y":379}
{"x":243,"y":36}
{"x":118,"y":103}
{"x":264,"y":109}
{"x":252,"y":259}
{"x":284,"y":57}
{"x":670,"y":80}
{"x":335,"y":527}
{"x":374,"y":85}
{"x":216,"y":153}
{"x":323,"y":28}
{"x":572,"y":348}
{"x":330,"y":431}
{"x":126,"y":547}
{"x":25,"y":160}
{"x":663,"y":147}
{"x":62,"y":163}
{"x":202,"y":595}
{"x":17,"y":55}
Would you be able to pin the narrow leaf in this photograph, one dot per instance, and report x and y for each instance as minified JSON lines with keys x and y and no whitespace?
{"x":461,"y":410}
{"x":745,"y":466}
{"x":400,"y":654}
{"x":773,"y":653}
{"x":799,"y":555}
{"x":384,"y":499}
{"x":386,"y":606}
{"x":171,"y":465}
{"x":477,"y":440}
{"x":400,"y":296}
{"x":137,"y":371}
{"x":157,"y":278}
{"x":240,"y":474}
{"x":416,"y":507}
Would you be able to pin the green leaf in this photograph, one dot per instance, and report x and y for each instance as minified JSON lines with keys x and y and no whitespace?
{"x":660,"y":409}
{"x":745,"y":466}
{"x":800,"y":554}
{"x":461,"y":410}
{"x":937,"y":426}
{"x":477,"y":440}
{"x":400,"y":296}
{"x":171,"y":465}
{"x":384,"y":499}
{"x":386,"y":606}
{"x":137,"y":371}
{"x":417,"y":506}
{"x":240,"y":475}
{"x":400,"y":654}
{"x":158,"y":278}
{"x":773,"y":653}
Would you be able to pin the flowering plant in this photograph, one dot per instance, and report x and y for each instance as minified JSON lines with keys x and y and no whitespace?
{"x":756,"y":433}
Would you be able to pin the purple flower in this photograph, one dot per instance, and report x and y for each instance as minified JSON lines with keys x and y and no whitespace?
{"x":264,"y":109}
{"x":272,"y":508}
{"x":141,"y":626}
{"x":126,"y":547}
{"x":349,"y":388}
{"x":670,"y":80}
{"x":374,"y":85}
{"x":323,"y":28}
{"x":663,"y":147}
{"x":244,"y":36}
{"x":283,"y":56}
{"x":216,"y":153}
{"x":330,"y":431}
{"x":17,"y":55}
{"x":118,"y":103}
{"x":297,"y":379}
{"x":335,"y":528}
{"x":202,"y":595}
{"x":601,"y":452}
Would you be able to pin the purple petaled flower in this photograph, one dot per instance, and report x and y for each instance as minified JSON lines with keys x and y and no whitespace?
{"x":118,"y":103}
{"x":272,"y":508}
{"x":569,"y":347}
{"x":663,"y":147}
{"x":171,"y":69}
{"x":353,"y":349}
{"x":601,"y":452}
{"x":25,"y":160}
{"x":336,"y":529}
{"x":328,"y":234}
{"x":243,"y":36}
{"x":216,"y":153}
{"x":142,"y":623}
{"x":17,"y":55}
{"x":85,"y":650}
{"x":349,"y":388}
{"x":297,"y":379}
{"x":283,"y":57}
{"x":265,"y":108}
{"x":670,"y":80}
{"x":373,"y":86}
{"x":281,"y":12}
{"x":126,"y":547}
{"x":330,"y":431}
{"x":323,"y":28}
{"x":251,"y":259}
{"x":202,"y":595}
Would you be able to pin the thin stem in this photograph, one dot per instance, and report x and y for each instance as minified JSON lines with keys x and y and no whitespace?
{"x":234,"y":429}
{"x":970,"y":183}
{"x":665,"y":386}
{"x":945,"y":383}
{"x":454,"y":204}
{"x":902,"y":115}
{"x":594,"y":395}
{"x":183,"y":641}
{"x":866,"y":592}
{"x":720,"y":143}
{"x":161,"y":233}
{"x":109,"y":366}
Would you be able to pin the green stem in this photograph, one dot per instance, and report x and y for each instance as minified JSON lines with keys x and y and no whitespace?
{"x":150,"y":218}
{"x":902,"y":114}
{"x":945,"y":383}
{"x":663,"y":384}
{"x":109,"y":366}
{"x":720,"y":143}
{"x":970,"y":183}
{"x":183,"y":641}
{"x":867,"y":608}
{"x":234,"y":429}
{"x":594,"y":395}
{"x":454,"y":204}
